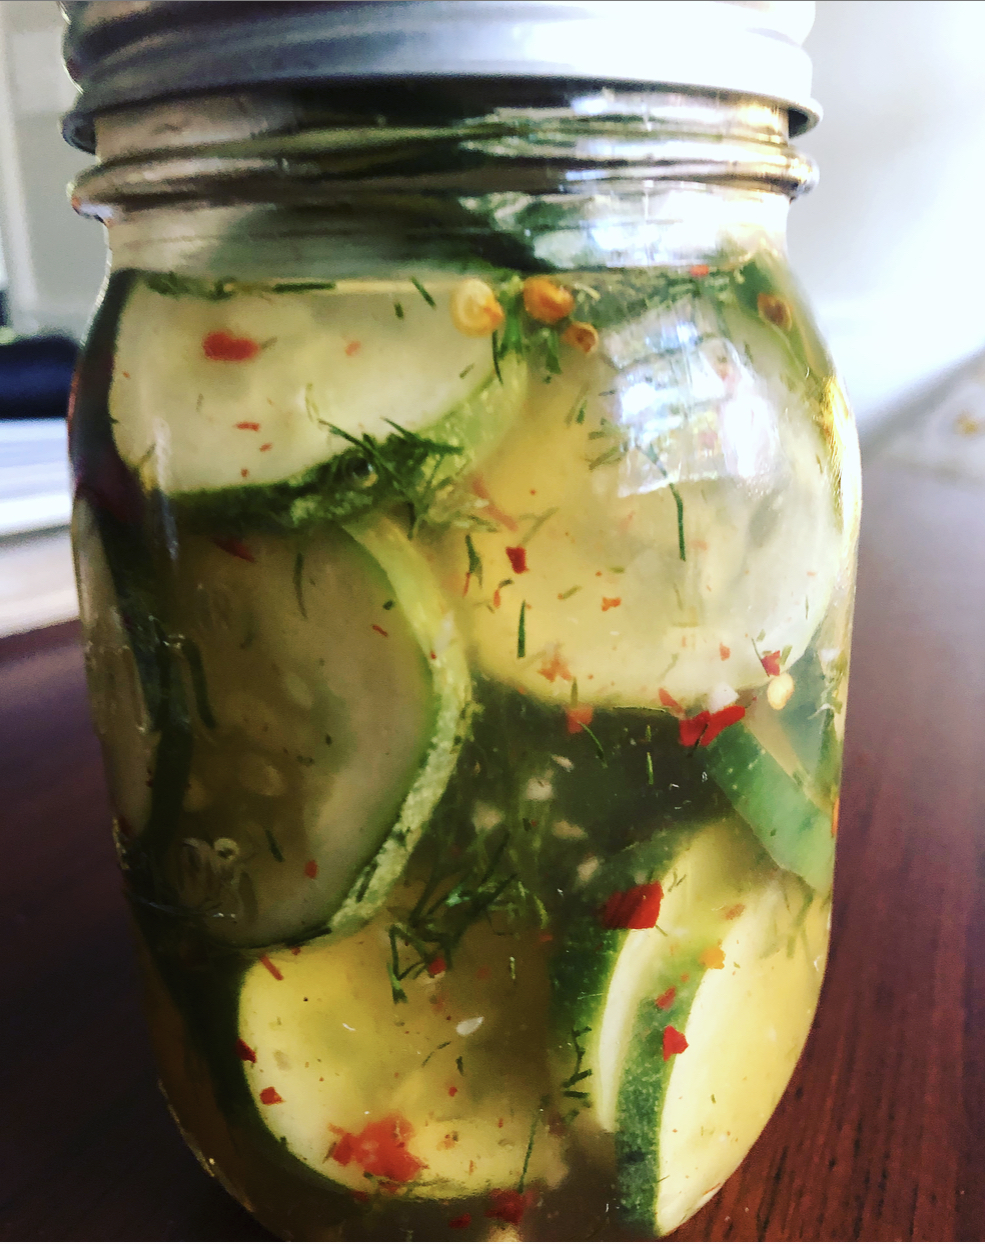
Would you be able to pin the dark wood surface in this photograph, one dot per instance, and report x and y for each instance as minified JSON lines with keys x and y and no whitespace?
{"x":881,"y":1135}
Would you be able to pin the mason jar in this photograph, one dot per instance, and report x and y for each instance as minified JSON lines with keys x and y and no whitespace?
{"x":465,"y":528}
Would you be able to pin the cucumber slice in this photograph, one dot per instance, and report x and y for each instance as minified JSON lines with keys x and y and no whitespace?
{"x":209,"y":394}
{"x":775,"y":802}
{"x":353,"y":1069}
{"x":120,"y":713}
{"x":608,"y":599}
{"x":685,"y":1123}
{"x":331,"y":692}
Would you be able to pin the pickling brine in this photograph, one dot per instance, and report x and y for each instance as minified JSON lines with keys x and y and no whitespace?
{"x":468,"y":651}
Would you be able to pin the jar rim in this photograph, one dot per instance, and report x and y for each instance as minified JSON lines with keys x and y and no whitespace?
{"x":127,"y":52}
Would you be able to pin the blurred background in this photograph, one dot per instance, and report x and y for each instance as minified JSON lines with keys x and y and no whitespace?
{"x":887,"y":246}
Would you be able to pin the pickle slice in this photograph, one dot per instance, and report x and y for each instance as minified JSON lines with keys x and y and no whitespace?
{"x":628,"y":581}
{"x":328,"y":701}
{"x":687,"y":1119}
{"x":245,"y":389}
{"x":733,"y":965}
{"x":437,"y":1096}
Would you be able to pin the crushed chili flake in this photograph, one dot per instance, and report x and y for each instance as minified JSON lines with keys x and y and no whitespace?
{"x":668,"y":701}
{"x":295,"y":950}
{"x":437,"y":966}
{"x":577,"y":716}
{"x":637,"y":908}
{"x":721,"y":720}
{"x":730,"y":913}
{"x":497,"y":599}
{"x":223,"y":347}
{"x":272,"y":967}
{"x":545,"y":936}
{"x":244,"y":1052}
{"x":500,"y":1123}
{"x":268,"y":445}
{"x":703,"y":727}
{"x":270,"y":1096}
{"x":380,"y":631}
{"x":246,"y":426}
{"x":692,"y":728}
{"x":507,"y":1205}
{"x":353,"y":348}
{"x":610,"y":602}
{"x":379,"y":1149}
{"x":452,"y":1090}
{"x":771,"y":663}
{"x":311,"y":869}
{"x":674,"y":1042}
{"x":699,"y":269}
{"x":236,"y":548}
{"x":359,"y":1195}
{"x":518,"y":559}
{"x":712,"y":956}
{"x":834,"y":817}
{"x":461,"y":1222}
{"x":244,"y":472}
{"x":666,"y":999}
{"x":555,"y":666}
{"x":724,"y":651}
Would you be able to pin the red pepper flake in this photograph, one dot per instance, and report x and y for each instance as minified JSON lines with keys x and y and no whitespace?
{"x":545,"y":936}
{"x":223,"y":347}
{"x":248,"y":427}
{"x":834,"y":817}
{"x":295,"y":950}
{"x":555,"y":666}
{"x":518,"y":559}
{"x":638,"y":908}
{"x":380,"y":631}
{"x":507,"y":1205}
{"x":270,"y":1096}
{"x":730,"y":913}
{"x":578,"y":715}
{"x":437,"y":966}
{"x":712,"y":956}
{"x":272,"y":967}
{"x":244,"y":1052}
{"x":461,"y":1222}
{"x":236,"y":548}
{"x":353,"y":348}
{"x":379,"y":1149}
{"x":724,"y":652}
{"x":719,"y":721}
{"x":692,"y":728}
{"x":704,"y":727}
{"x":311,"y":869}
{"x":666,"y":999}
{"x":699,"y":269}
{"x":452,"y":1090}
{"x":674,"y":1042}
{"x":359,"y":1195}
{"x":668,"y":701}
{"x":771,"y":663}
{"x":500,"y":1123}
{"x":611,"y":602}
{"x":268,"y":445}
{"x":497,"y":599}
{"x":433,"y":656}
{"x":244,"y":472}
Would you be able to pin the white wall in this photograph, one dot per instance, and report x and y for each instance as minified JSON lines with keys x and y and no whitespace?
{"x":889,"y":245}
{"x":54,"y":259}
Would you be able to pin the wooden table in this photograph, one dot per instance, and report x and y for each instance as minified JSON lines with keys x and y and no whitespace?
{"x":881,"y":1135}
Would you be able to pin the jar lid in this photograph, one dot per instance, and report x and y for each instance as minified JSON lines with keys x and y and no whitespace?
{"x":126,"y":52}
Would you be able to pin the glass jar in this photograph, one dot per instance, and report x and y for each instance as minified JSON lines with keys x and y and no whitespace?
{"x":465,"y":527}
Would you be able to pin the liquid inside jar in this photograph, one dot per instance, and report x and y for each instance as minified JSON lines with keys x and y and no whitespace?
{"x":469,"y":656}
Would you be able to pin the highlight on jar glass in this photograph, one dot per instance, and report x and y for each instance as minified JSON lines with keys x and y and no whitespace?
{"x":465,"y":530}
